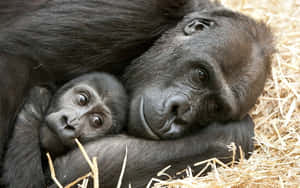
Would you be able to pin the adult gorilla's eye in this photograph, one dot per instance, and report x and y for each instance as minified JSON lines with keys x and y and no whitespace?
{"x":97,"y":121}
{"x":199,"y":75}
{"x":82,"y":99}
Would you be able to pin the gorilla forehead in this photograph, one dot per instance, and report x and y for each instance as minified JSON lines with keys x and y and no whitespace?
{"x":101,"y":82}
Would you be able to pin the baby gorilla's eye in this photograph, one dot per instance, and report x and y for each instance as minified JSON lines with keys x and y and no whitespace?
{"x":199,"y":75}
{"x":97,"y":121}
{"x":82,"y":99}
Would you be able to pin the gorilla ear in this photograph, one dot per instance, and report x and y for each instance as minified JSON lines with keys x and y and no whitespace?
{"x":174,"y":8}
{"x":197,"y":24}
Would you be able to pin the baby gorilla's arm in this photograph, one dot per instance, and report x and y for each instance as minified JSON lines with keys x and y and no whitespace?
{"x":22,"y":163}
{"x":147,"y":157}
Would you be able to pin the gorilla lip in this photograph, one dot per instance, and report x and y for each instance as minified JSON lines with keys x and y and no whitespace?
{"x":168,"y":125}
{"x":144,"y":122}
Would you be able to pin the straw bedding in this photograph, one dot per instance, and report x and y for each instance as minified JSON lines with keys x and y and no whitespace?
{"x":276,"y":159}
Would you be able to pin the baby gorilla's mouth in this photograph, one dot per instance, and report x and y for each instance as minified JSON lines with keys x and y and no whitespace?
{"x":144,"y":122}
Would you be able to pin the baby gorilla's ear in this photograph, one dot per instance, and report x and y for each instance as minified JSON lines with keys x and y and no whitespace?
{"x":174,"y":8}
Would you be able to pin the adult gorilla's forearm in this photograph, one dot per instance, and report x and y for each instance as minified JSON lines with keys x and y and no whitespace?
{"x":147,"y":157}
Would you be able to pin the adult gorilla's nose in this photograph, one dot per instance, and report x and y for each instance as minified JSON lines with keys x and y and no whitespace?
{"x":167,"y":117}
{"x":176,"y":107}
{"x":159,"y":114}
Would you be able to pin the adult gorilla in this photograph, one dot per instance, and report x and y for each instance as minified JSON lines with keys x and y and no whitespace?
{"x":211,"y":66}
{"x":44,"y":41}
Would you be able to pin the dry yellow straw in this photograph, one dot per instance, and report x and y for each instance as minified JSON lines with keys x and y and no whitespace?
{"x":123,"y":169}
{"x":52,"y":171}
{"x":79,"y":180}
{"x":95,"y":173}
{"x":93,"y":165}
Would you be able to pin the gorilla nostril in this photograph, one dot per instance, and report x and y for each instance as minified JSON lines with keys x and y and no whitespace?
{"x":66,"y":123}
{"x":64,"y":119}
{"x":174,"y":109}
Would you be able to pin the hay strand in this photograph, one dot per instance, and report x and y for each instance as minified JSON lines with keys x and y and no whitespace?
{"x":82,"y":178}
{"x":52,"y":171}
{"x":123,"y":169}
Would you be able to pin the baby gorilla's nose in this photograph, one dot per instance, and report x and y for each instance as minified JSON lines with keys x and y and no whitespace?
{"x":176,"y":107}
{"x":70,"y":127}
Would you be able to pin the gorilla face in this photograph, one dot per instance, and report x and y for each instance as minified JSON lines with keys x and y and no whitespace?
{"x":82,"y":113}
{"x":85,"y":108}
{"x":212,"y":70}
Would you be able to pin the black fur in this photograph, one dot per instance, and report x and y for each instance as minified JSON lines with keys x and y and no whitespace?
{"x":61,"y":39}
{"x":57,"y":40}
{"x":23,"y":163}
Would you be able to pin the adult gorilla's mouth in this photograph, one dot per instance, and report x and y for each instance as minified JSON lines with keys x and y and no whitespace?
{"x":144,"y":121}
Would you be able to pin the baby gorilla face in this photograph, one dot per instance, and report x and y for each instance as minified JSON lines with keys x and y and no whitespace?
{"x":83,"y":114}
{"x":86,"y":108}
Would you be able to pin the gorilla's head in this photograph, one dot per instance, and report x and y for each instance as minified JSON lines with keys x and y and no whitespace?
{"x":87,"y":107}
{"x":211,"y":67}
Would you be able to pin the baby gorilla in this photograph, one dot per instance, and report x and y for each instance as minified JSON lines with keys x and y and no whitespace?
{"x":87,"y":108}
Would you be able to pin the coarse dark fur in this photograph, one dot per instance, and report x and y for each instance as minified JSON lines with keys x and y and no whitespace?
{"x":103,"y":35}
{"x":59,"y":39}
{"x":52,"y":122}
{"x":22,"y":161}
{"x":217,"y":67}
{"x":209,"y":65}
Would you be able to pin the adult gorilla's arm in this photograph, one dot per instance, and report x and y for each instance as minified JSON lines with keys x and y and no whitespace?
{"x":146,"y":158}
